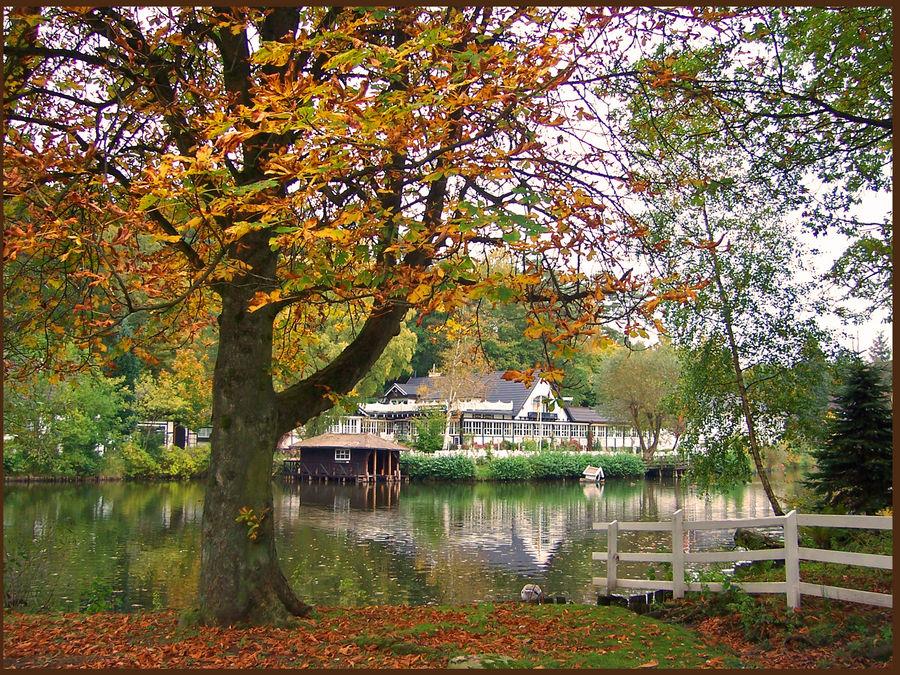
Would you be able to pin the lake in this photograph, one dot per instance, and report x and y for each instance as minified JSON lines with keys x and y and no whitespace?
{"x":134,"y":546}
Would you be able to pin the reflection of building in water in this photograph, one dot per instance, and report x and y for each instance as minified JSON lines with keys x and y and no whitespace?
{"x":439,"y":528}
{"x":514,"y":536}
{"x":340,"y":498}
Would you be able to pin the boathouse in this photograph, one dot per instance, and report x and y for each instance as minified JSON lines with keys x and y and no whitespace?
{"x":355,"y":457}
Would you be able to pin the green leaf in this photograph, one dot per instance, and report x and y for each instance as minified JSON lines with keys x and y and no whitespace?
{"x":148,"y":201}
{"x":258,"y":186}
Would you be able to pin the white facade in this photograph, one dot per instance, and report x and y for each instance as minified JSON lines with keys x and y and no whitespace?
{"x":494,"y":432}
{"x":504,"y":414}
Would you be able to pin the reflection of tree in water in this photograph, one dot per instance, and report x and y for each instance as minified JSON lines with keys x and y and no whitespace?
{"x":125,"y":544}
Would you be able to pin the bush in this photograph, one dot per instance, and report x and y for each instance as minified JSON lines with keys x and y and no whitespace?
{"x":186,"y":463}
{"x":529,"y":445}
{"x":430,"y":432}
{"x":137,"y":462}
{"x":572,"y":464}
{"x":449,"y":467}
{"x":172,"y":462}
{"x":510,"y":468}
{"x":551,"y":465}
{"x":622,"y":465}
{"x":545,"y":465}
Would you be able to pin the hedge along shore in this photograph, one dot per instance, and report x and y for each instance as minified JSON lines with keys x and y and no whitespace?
{"x":534,"y":466}
{"x":540,"y":465}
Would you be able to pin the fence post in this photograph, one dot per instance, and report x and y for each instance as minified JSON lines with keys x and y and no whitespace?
{"x":678,"y":554}
{"x":792,"y":559}
{"x":612,"y":555}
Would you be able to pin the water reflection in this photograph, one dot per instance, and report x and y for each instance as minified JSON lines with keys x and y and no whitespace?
{"x":137,"y":544}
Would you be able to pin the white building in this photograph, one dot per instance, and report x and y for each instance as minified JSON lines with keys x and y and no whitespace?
{"x":488,"y":410}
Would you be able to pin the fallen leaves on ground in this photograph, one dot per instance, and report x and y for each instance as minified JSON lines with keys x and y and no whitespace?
{"x":550,"y":636}
{"x":368,"y":637}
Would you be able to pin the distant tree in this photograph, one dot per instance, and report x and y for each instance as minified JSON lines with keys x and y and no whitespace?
{"x":508,"y":341}
{"x":855,"y":464}
{"x":462,"y":369}
{"x":62,"y":427}
{"x":638,"y":384}
{"x":430,"y":429}
{"x":880,"y":351}
{"x":181,"y":391}
{"x":430,"y":342}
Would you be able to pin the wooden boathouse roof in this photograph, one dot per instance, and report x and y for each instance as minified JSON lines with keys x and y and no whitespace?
{"x":349,"y":441}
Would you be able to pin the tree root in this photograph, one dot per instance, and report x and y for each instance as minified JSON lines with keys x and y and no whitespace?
{"x":292,"y":603}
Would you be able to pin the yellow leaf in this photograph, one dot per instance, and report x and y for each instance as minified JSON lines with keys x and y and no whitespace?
{"x":421,"y":292}
{"x":239,"y":229}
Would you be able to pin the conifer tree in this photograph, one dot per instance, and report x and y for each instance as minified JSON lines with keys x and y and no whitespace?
{"x":880,"y":351}
{"x":854,"y":465}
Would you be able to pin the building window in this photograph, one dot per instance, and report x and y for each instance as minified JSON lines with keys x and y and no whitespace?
{"x":341,"y":455}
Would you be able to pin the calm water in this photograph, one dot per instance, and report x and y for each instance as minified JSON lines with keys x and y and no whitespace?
{"x":129,"y":546}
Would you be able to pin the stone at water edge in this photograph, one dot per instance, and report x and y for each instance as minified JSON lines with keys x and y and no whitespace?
{"x":470,"y":661}
{"x":532,"y":593}
{"x":754,"y":540}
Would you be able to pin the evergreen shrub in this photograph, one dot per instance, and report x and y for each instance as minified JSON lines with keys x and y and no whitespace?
{"x":551,"y":465}
{"x":621,"y":465}
{"x":854,"y":472}
{"x":450,"y":467}
{"x":510,"y":468}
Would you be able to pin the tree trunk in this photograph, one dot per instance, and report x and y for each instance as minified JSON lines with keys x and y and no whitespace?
{"x":648,"y":445}
{"x":240,"y":579}
{"x":744,"y":395}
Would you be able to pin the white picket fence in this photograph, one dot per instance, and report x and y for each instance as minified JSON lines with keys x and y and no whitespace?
{"x":792,"y":554}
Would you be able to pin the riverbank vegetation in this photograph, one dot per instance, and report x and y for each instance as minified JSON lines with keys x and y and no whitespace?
{"x":92,"y":424}
{"x":539,"y":466}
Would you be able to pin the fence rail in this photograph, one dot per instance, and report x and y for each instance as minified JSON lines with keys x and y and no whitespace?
{"x":792,"y":553}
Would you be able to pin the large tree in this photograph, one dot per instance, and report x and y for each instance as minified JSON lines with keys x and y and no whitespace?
{"x":752,"y":359}
{"x":254,"y":169}
{"x":733,"y":133}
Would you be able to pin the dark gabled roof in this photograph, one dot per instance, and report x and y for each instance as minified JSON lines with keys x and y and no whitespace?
{"x":499,"y":389}
{"x":594,"y":415}
{"x":489,"y":387}
{"x":401,"y":388}
{"x":350,"y":441}
{"x":588,"y":415}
